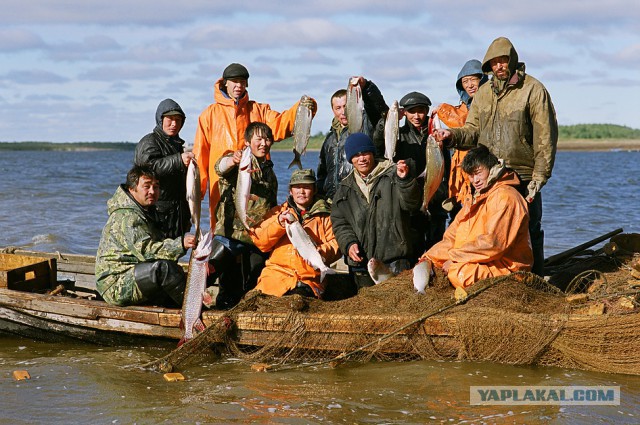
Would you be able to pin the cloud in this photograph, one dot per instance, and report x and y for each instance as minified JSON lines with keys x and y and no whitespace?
{"x":18,"y":39}
{"x":33,"y":77}
{"x":125,"y":72}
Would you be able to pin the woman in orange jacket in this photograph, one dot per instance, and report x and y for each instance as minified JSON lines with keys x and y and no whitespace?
{"x":286,"y":272}
{"x":490,"y":235}
{"x":222,"y":124}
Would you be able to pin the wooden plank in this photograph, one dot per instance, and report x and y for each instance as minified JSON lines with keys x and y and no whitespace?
{"x":100,"y":331}
{"x":81,"y":308}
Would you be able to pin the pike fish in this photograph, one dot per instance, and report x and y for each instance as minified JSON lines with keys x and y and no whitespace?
{"x":194,"y":195}
{"x":301,"y":131}
{"x":243,"y":187}
{"x":355,"y":106}
{"x":391,"y":131}
{"x":306,"y":248}
{"x":421,"y":275}
{"x":196,"y":285}
{"x":433,"y":171}
{"x":379,"y":271}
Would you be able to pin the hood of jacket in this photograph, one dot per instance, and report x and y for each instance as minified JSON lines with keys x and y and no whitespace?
{"x":123,"y":200}
{"x":221,"y":96}
{"x":501,"y":46}
{"x":471,"y":67}
{"x":498,"y":175}
{"x":165,"y":106}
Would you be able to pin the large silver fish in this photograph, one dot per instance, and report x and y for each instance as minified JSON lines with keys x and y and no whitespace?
{"x":194,"y":195}
{"x":422,"y":275}
{"x":433,"y":171}
{"x":306,"y":248}
{"x":301,"y":131}
{"x":196,"y":285}
{"x":379,"y":271}
{"x":243,"y":187}
{"x":391,"y":131}
{"x":355,"y":106}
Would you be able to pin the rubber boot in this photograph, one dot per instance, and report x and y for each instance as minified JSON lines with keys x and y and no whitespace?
{"x":161,"y":276}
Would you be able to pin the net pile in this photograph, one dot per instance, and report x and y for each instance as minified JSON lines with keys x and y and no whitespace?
{"x":516,"y":319}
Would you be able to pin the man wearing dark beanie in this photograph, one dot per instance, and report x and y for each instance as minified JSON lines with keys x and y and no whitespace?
{"x":371,"y":210}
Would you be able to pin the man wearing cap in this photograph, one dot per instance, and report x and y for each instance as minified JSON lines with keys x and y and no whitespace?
{"x":411,"y":147}
{"x":371,"y":210}
{"x":163,"y":151}
{"x":222,"y":124}
{"x":514,"y":117}
{"x":286,"y":272}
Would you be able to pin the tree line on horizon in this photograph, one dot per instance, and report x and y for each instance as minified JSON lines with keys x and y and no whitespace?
{"x":565,"y":132}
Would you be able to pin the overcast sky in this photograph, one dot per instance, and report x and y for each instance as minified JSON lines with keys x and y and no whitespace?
{"x":80,"y":70}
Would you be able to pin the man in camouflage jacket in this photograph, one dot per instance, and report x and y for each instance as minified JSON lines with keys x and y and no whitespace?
{"x":134,"y":263}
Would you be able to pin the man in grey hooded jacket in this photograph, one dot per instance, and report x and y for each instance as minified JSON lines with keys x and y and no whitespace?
{"x":514,"y":117}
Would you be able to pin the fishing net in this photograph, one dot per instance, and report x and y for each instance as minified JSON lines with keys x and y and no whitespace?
{"x":515,"y":319}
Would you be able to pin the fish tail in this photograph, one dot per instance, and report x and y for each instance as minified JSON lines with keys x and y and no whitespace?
{"x":296,"y":161}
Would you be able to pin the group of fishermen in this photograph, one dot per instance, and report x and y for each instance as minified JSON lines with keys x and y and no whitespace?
{"x":361,"y":205}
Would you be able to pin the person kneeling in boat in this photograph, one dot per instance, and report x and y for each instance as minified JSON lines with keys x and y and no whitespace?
{"x":135,"y":264}
{"x":490,"y":236}
{"x":236,"y":260}
{"x":288,"y":271}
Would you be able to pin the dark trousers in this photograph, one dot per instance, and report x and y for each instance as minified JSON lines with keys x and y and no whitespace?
{"x":535,"y":229}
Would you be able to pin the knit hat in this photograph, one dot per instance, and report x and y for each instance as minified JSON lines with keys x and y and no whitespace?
{"x":357,"y":143}
{"x":306,"y":176}
{"x":235,"y":70}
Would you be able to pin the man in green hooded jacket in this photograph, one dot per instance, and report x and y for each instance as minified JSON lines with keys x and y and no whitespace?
{"x":514,"y":117}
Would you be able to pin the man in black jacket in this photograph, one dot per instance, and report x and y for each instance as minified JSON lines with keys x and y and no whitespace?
{"x":163,"y":151}
{"x":371,"y":209}
{"x":333,"y":165}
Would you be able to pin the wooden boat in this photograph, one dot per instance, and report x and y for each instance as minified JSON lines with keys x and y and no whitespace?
{"x":606,"y":343}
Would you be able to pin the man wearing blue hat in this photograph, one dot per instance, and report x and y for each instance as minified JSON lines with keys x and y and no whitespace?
{"x":371,"y":210}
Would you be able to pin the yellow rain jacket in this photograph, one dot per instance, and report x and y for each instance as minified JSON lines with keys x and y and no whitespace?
{"x":285,"y":267}
{"x":489,"y":237}
{"x":221,"y":128}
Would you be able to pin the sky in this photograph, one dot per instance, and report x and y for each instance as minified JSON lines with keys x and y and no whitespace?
{"x":86,"y":70}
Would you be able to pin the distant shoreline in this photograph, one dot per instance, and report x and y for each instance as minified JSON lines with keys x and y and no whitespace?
{"x":582,"y":145}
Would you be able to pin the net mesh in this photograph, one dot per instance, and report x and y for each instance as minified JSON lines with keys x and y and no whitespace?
{"x":516,"y":319}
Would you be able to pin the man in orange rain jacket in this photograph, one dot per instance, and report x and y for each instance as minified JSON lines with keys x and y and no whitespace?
{"x":286,"y":272}
{"x":470,"y":78}
{"x":221,"y":126}
{"x":490,"y":235}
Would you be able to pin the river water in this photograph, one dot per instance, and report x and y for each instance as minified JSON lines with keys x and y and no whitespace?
{"x":56,"y":201}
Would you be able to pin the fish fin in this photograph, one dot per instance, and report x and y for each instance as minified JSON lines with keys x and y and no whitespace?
{"x":182,"y":341}
{"x":199,"y":326}
{"x":296,"y":161}
{"x":325,"y":272}
{"x":423,"y":174}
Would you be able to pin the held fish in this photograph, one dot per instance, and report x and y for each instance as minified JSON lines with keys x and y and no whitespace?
{"x":355,"y":106}
{"x":194,"y":195}
{"x":301,"y":131}
{"x":433,"y":171}
{"x":196,"y":284}
{"x":391,"y":131}
{"x":422,"y":275}
{"x":306,"y":248}
{"x":379,"y":271}
{"x":243,"y":187}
